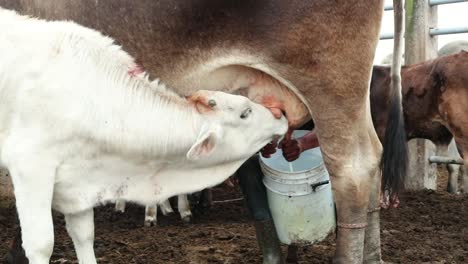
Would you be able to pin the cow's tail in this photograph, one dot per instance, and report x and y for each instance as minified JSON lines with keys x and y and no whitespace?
{"x":394,"y":161}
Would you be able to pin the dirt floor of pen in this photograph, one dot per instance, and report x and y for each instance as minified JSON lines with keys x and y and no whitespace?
{"x":429,"y":227}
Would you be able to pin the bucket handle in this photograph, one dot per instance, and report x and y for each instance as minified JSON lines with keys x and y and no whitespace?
{"x":317,"y":184}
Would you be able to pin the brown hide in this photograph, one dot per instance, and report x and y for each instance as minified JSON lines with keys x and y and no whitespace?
{"x":170,"y":38}
{"x":425,"y":88}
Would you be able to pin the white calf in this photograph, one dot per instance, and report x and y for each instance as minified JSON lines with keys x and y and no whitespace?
{"x":79,"y":127}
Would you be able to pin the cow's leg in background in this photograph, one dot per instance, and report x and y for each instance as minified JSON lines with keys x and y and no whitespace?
{"x":463,"y":169}
{"x":166,"y":207}
{"x":455,"y":171}
{"x":464,"y":174}
{"x":206,"y":200}
{"x":183,"y":206}
{"x":151,"y":211}
{"x":120,"y":206}
{"x":151,"y":215}
{"x":453,"y":105}
{"x":80,"y":228}
{"x":463,"y":146}
{"x":442,"y":149}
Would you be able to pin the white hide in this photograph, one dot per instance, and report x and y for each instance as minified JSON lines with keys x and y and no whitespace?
{"x":76,"y":131}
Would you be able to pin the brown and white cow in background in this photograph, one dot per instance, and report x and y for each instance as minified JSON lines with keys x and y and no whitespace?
{"x":321,"y":51}
{"x":435,"y":93}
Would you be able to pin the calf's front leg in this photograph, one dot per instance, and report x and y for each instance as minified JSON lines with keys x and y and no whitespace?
{"x":33,"y":194}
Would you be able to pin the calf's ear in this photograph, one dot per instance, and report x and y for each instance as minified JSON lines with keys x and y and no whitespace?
{"x":206,"y":142}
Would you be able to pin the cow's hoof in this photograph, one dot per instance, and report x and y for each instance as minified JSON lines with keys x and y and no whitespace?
{"x":187,"y":219}
{"x":149,"y":223}
{"x":452,"y":190}
{"x":167,"y":212}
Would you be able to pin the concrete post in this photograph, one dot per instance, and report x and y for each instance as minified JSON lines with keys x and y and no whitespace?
{"x":420,"y":46}
{"x":421,"y":174}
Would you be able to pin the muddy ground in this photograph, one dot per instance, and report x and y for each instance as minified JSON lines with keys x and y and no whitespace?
{"x":429,"y":227}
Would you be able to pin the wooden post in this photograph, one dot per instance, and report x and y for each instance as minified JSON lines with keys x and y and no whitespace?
{"x":420,"y":46}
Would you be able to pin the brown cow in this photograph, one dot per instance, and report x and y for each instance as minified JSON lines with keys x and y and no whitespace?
{"x":435,"y":97}
{"x":321,"y":51}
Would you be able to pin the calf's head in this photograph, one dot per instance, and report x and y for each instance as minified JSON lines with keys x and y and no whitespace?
{"x":233,"y":127}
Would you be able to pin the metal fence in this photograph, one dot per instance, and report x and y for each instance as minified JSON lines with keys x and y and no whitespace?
{"x":433,"y":31}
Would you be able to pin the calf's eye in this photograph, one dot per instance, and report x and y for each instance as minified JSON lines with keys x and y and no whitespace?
{"x":246,"y":113}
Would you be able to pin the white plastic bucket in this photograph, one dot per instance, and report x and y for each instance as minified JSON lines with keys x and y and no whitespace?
{"x":299,"y":195}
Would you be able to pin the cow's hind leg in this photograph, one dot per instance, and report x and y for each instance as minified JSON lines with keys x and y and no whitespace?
{"x":80,"y":227}
{"x":393,"y":165}
{"x":351,"y":151}
{"x":372,"y":252}
{"x":353,"y":185}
